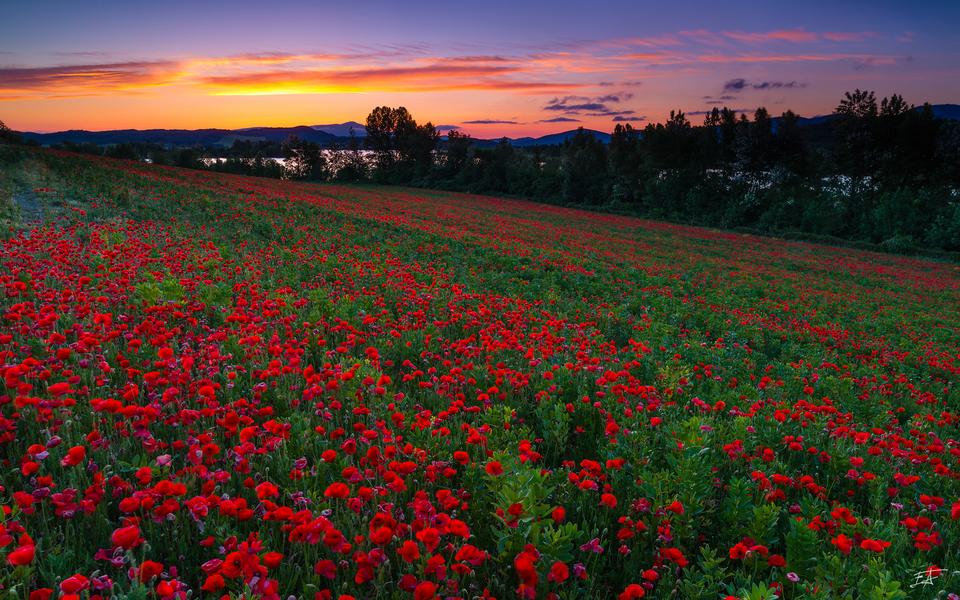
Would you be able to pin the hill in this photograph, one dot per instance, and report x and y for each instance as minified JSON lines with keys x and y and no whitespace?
{"x":332,"y":375}
{"x":181,"y":137}
{"x":334,"y":132}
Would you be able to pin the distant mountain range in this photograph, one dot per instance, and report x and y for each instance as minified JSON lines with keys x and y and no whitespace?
{"x":322,"y":134}
{"x":326,"y":134}
{"x":552,"y":139}
{"x":182,"y":137}
{"x":947,"y":112}
{"x":343,"y":129}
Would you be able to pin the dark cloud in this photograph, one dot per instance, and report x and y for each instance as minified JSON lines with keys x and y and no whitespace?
{"x":590,"y":106}
{"x":622,"y":119}
{"x":611,"y":113}
{"x":735,"y":85}
{"x":764,"y":85}
{"x":621,"y":97}
{"x":620,"y":83}
{"x":559,"y":120}
{"x":740,"y":84}
{"x":490,"y":122}
{"x":719,"y":100}
{"x":694,"y":113}
{"x":573,"y":108}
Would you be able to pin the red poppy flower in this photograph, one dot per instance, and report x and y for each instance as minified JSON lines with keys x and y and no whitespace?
{"x":126,"y":537}
{"x":874,"y":545}
{"x":337,"y":490}
{"x":559,"y":572}
{"x":842,"y":543}
{"x":409,"y":551}
{"x":21,"y":555}
{"x":632,"y":592}
{"x":494,"y":468}
{"x":425,"y":590}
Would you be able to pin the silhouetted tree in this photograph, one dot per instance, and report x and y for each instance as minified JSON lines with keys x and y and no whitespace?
{"x":584,"y":169}
{"x":382,"y":124}
{"x":8,"y":135}
{"x":304,"y":160}
{"x":457,"y":152}
{"x":402,"y":147}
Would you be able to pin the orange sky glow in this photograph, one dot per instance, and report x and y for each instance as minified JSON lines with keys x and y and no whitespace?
{"x":487,"y":88}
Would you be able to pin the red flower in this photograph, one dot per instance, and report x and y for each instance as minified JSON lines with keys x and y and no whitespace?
{"x":608,"y":500}
{"x":325,"y":568}
{"x":494,"y":468}
{"x":676,"y":507}
{"x":425,"y":590}
{"x":526,"y":565}
{"x":337,"y":490}
{"x":472,"y":555}
{"x":558,"y":514}
{"x":430,"y":538}
{"x":213,"y":583}
{"x":632,"y":592}
{"x":381,"y":536}
{"x":74,"y":584}
{"x":272,"y":560}
{"x":126,"y":537}
{"x":874,"y":545}
{"x":74,"y":456}
{"x":559,"y":572}
{"x":148,"y":570}
{"x":267,"y":490}
{"x":22,"y":554}
{"x":738,"y":551}
{"x":843,"y":543}
{"x":675,"y":555}
{"x":409,"y":551}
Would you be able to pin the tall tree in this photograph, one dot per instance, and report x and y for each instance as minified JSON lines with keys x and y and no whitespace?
{"x":381,"y":128}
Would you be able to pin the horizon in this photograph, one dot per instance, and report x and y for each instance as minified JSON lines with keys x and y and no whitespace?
{"x":512,"y":70}
{"x":442,"y":128}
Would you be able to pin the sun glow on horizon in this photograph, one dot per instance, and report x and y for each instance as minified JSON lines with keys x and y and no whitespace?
{"x":595,"y":77}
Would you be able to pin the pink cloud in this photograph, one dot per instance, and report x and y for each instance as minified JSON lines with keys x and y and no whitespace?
{"x":779,"y":35}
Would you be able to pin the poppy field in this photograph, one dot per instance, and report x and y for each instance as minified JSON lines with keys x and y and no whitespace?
{"x":217,"y":386}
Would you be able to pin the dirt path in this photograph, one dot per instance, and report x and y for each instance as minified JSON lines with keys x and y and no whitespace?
{"x":30,"y":206}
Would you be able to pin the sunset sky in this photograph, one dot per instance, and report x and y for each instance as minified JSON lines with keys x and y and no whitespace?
{"x":493,"y":67}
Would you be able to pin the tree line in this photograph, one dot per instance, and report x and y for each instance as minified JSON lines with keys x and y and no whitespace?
{"x":881,"y":172}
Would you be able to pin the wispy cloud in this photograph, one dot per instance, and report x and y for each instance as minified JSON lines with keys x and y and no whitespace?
{"x":275,"y":73}
{"x":740,"y":84}
{"x":589,"y":106}
{"x":87,"y":79}
{"x":785,"y":57}
{"x":490,"y":122}
{"x":559,"y":120}
{"x":794,"y":36}
{"x":778,"y":35}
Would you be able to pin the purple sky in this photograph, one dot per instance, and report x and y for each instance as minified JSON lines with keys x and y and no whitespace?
{"x":494,"y":68}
